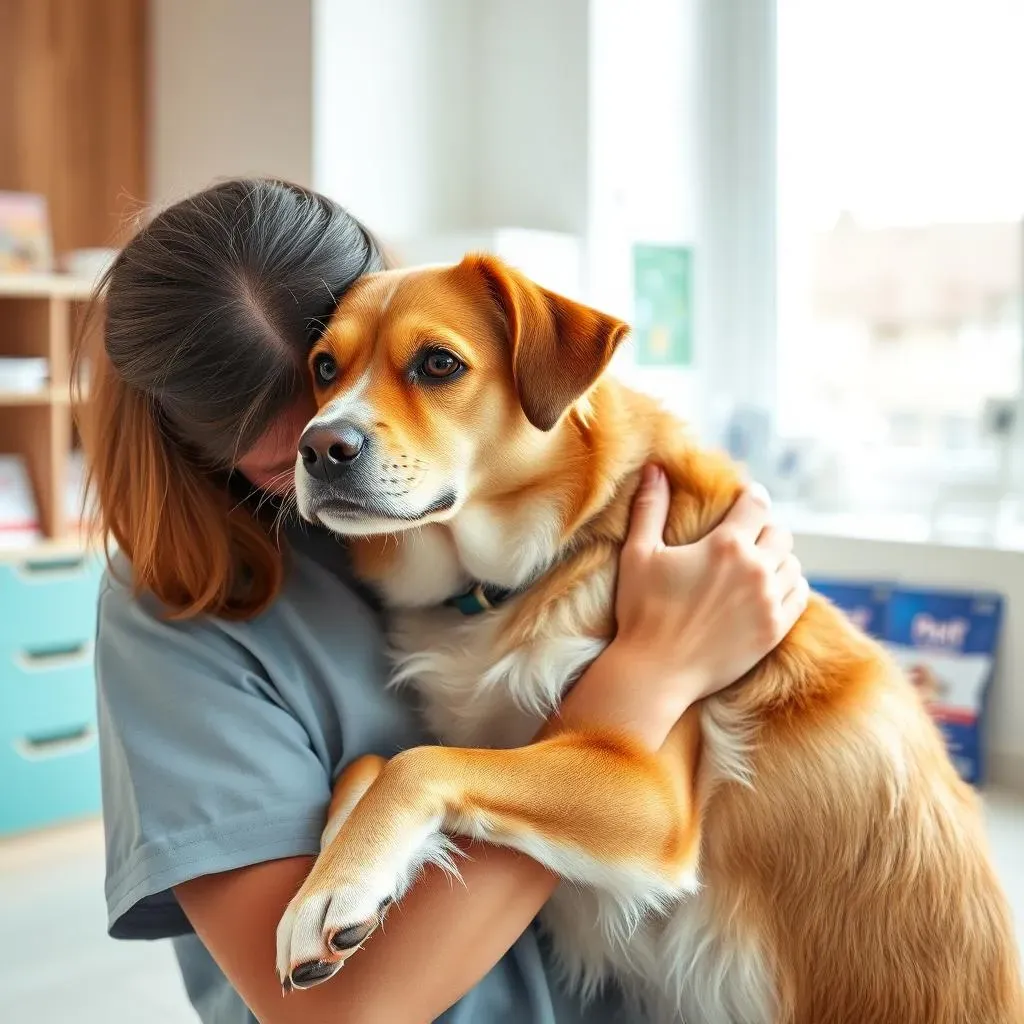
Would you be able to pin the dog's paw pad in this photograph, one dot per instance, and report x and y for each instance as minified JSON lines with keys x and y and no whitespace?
{"x":309,"y":974}
{"x":348,"y":938}
{"x":316,"y":936}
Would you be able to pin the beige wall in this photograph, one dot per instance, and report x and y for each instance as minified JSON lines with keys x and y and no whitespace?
{"x":231,"y":94}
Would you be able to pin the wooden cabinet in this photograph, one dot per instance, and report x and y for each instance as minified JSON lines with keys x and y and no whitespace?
{"x":73,"y":113}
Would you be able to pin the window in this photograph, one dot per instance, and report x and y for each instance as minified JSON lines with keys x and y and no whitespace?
{"x":900,"y":160}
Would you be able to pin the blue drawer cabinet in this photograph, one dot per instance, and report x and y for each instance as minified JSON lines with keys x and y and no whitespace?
{"x":49,"y":765}
{"x":48,"y":779}
{"x":48,"y":603}
{"x":46,"y":695}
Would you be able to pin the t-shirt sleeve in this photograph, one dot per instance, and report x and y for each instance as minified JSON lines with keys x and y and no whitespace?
{"x":204,"y":766}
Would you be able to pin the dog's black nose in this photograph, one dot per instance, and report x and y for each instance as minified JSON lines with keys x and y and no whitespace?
{"x":326,"y":448}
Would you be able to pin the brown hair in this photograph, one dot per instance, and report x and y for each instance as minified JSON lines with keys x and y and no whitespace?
{"x":209,"y":312}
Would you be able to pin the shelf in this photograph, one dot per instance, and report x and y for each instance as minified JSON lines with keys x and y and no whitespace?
{"x":48,"y":549}
{"x":39,"y":320}
{"x":45,"y":396}
{"x":45,"y":286}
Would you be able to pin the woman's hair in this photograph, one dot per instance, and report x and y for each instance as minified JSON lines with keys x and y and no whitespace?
{"x":208,"y":313}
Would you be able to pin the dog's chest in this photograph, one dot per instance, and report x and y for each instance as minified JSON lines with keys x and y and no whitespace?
{"x":476,"y":688}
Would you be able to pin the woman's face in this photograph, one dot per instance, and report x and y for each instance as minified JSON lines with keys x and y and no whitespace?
{"x":270,"y":463}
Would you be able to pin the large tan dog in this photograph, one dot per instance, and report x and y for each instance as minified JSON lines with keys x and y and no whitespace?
{"x":800,"y":850}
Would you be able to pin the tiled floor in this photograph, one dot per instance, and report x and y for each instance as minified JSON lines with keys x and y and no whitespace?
{"x":57,"y":964}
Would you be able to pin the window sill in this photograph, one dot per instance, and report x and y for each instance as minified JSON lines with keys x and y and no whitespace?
{"x":978,"y":532}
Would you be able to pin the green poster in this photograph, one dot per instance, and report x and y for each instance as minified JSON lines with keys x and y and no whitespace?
{"x":663,"y":305}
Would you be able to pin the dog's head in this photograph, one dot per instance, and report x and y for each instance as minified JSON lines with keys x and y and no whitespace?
{"x":436,"y":385}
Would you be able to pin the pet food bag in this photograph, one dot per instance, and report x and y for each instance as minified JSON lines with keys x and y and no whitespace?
{"x":946,"y":642}
{"x":865,"y":604}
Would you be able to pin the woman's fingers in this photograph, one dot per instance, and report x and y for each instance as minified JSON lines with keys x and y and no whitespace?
{"x":794,"y":603}
{"x":788,"y":575}
{"x":650,"y":511}
{"x":775,"y":545}
{"x":750,"y":513}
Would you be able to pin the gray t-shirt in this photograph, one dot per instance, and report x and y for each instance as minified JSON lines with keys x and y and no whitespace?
{"x":219,"y":744}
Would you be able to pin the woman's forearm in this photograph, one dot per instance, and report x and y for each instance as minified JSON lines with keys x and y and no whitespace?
{"x":621,"y":691}
{"x":437,"y":943}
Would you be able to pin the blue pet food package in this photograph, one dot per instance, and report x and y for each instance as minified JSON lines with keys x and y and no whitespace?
{"x":865,"y":604}
{"x":946,"y":643}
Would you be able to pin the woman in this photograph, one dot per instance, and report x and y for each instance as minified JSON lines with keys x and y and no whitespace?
{"x":239,"y":667}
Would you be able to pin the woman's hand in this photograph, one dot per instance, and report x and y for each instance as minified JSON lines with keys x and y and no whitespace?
{"x":691,"y":619}
{"x":712,"y":609}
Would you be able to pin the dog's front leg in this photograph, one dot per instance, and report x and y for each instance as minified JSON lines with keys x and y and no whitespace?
{"x":594,"y":807}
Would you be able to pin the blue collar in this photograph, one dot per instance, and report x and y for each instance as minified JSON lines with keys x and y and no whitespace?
{"x":481,"y":597}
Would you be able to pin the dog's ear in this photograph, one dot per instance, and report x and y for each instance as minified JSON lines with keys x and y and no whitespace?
{"x":559,"y":347}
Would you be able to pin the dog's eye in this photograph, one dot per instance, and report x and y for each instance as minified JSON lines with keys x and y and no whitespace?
{"x":439,"y":364}
{"x":325,"y":369}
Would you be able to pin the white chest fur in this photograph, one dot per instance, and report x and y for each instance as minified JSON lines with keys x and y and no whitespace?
{"x":473,"y":695}
{"x":479,"y":690}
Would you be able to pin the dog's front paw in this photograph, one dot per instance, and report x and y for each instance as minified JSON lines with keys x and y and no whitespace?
{"x":345,"y":898}
{"x":322,"y":927}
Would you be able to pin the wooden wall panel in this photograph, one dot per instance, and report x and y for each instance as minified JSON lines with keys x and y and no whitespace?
{"x":73,"y":112}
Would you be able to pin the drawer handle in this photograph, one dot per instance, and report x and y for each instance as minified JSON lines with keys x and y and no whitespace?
{"x":42,"y":571}
{"x":42,"y":659}
{"x":41,"y":748}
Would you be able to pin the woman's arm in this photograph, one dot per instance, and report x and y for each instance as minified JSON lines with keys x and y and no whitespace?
{"x":439,"y":941}
{"x":691,"y":620}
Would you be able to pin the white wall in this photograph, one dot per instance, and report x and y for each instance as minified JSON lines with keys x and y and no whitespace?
{"x":440,"y":116}
{"x":642,"y":169}
{"x":738,"y":201}
{"x":231,"y":92}
{"x":394,"y":88}
{"x":531,"y":129}
{"x":642,"y":162}
{"x":965,"y":568}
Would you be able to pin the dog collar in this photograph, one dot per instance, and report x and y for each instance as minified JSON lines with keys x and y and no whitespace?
{"x":481,"y":597}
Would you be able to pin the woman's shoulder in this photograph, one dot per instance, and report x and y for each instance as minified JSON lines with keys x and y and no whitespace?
{"x":317,"y":585}
{"x":320,"y":632}
{"x":314,"y":663}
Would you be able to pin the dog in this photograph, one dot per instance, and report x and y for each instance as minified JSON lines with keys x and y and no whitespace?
{"x":801,"y":849}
